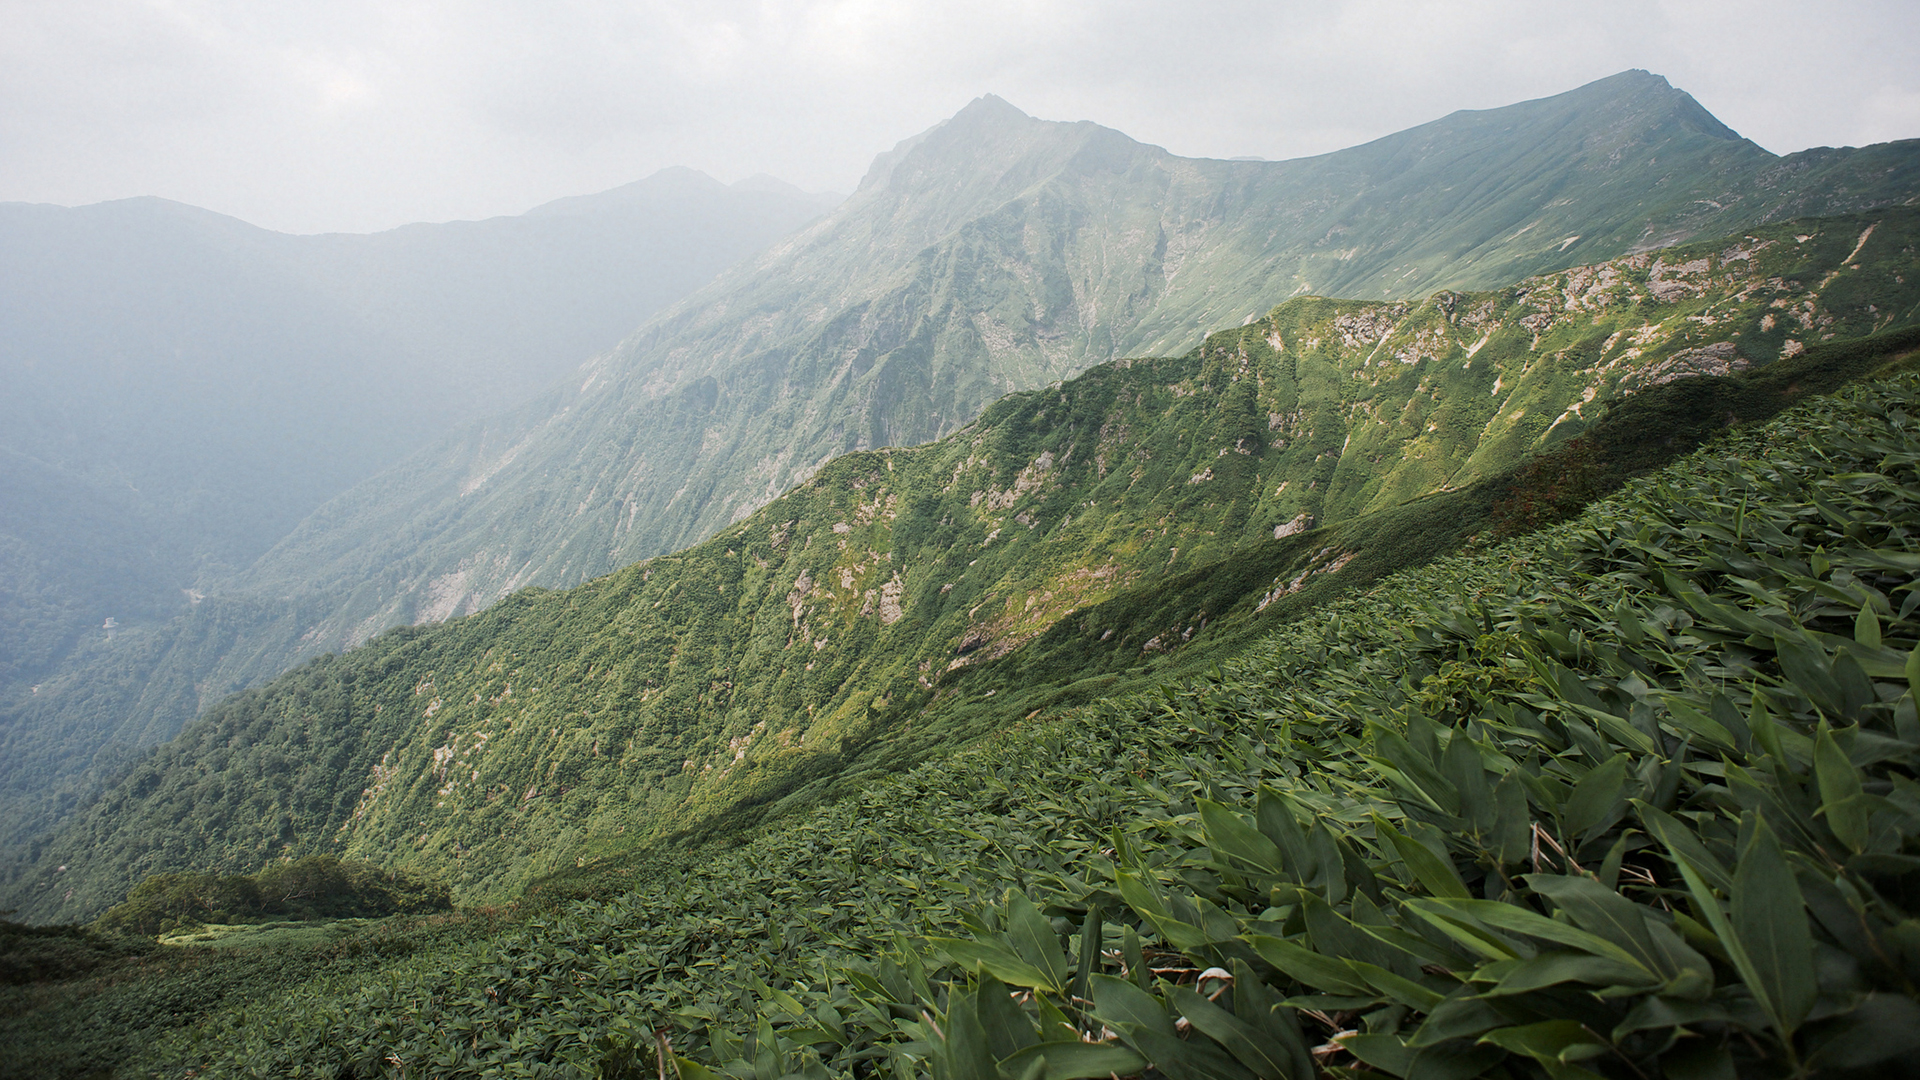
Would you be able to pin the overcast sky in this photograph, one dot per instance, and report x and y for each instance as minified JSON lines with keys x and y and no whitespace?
{"x":358,"y":115}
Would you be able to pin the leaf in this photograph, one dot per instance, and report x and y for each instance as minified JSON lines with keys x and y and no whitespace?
{"x":1881,"y":1027}
{"x":1397,"y":988}
{"x":1231,"y":837}
{"x":1006,"y":1027}
{"x":997,"y":961}
{"x":1515,"y":919}
{"x":1554,"y":968}
{"x":1074,"y":1060}
{"x":1118,"y":1002}
{"x":1034,"y":940}
{"x":1090,"y":931}
{"x":1597,"y":799}
{"x":1769,"y":919}
{"x":1603,"y":911}
{"x":966,"y":1049}
{"x":1257,"y":1050}
{"x":1436,"y":872}
{"x":1866,"y":627}
{"x":1384,"y":1052}
{"x":1550,"y":1042}
{"x":1143,"y":895}
{"x":1327,"y":974}
{"x":1682,"y":842}
{"x":1840,"y":791}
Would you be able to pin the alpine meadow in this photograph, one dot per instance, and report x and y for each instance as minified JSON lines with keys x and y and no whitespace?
{"x":1445,"y":608}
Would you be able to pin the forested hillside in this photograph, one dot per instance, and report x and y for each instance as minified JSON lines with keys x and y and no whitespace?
{"x":1626,"y":798}
{"x":872,"y":615}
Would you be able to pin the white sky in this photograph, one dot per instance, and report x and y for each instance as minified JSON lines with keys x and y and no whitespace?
{"x":314,"y":115}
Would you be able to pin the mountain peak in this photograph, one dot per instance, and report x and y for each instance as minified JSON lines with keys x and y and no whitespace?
{"x":1640,"y":90}
{"x":988,"y":108}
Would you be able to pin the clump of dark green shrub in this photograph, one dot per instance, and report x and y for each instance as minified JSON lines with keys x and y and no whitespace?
{"x":314,"y":887}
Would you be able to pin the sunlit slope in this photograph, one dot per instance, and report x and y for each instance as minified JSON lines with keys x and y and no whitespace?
{"x":998,"y":252}
{"x":850,"y":611}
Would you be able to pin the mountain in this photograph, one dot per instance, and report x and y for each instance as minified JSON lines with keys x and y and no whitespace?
{"x":902,"y":600}
{"x":995,"y":253}
{"x":992,"y":253}
{"x":179,"y":388}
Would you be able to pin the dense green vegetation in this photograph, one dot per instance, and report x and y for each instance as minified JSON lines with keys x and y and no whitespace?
{"x":903,"y":601}
{"x":1633,"y":796}
{"x":313,"y":887}
{"x":76,"y":1003}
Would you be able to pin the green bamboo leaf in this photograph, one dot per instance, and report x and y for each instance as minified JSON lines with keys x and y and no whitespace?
{"x":1074,"y":1060}
{"x":1434,"y":871}
{"x":1913,"y":670}
{"x":1549,"y":1042}
{"x":1143,"y":896}
{"x":1007,"y":1028}
{"x":1118,"y":1002}
{"x":965,"y":1050}
{"x":1808,"y":670}
{"x":1866,"y":627}
{"x":1881,"y":1027}
{"x":1034,"y":940}
{"x":1327,"y":974}
{"x":1259,"y":1004}
{"x":1266,"y":1056}
{"x":1600,"y":910}
{"x":1597,"y":800}
{"x":1090,"y":934}
{"x":693,"y":1070}
{"x":999,"y":962}
{"x":1275,"y":816}
{"x":1135,"y":958}
{"x":1511,"y":918}
{"x":1840,"y":791}
{"x":1384,"y":1052}
{"x":1769,"y":919}
{"x":1397,"y":988}
{"x":1511,"y":831}
{"x":1553,"y":968}
{"x":1228,"y":835}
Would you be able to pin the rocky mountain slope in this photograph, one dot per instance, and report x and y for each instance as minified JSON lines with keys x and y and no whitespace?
{"x":856,"y":614}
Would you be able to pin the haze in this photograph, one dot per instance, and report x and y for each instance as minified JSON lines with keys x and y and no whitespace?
{"x":355,"y":115}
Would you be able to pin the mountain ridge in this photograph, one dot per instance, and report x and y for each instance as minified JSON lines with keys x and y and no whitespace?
{"x":748,"y":331}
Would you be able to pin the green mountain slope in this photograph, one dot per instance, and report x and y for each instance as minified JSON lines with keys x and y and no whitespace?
{"x":997,"y":252}
{"x":1608,"y":794}
{"x":841,"y":626}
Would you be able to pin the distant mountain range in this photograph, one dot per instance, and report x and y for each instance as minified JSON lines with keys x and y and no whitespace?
{"x":999,"y":253}
{"x":178,"y":388}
